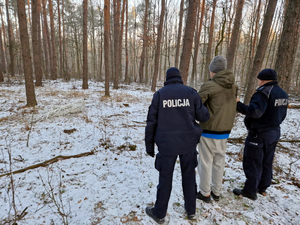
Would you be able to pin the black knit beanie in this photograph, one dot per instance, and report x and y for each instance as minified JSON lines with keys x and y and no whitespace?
{"x":267,"y":74}
{"x":172,"y":72}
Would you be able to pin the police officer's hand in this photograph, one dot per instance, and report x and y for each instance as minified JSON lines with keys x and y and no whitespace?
{"x":151,"y":154}
{"x":237,"y":99}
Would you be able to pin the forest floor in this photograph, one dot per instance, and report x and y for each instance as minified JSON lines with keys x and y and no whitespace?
{"x":79,"y":158}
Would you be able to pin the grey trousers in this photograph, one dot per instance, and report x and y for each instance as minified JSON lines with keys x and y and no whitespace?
{"x":211,"y":162}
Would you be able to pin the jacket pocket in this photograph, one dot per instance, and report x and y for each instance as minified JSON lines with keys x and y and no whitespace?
{"x":253,"y":150}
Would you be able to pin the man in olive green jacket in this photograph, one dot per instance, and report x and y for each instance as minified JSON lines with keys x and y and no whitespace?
{"x":219,"y":96}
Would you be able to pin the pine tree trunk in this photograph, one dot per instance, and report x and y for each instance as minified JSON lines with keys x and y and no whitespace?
{"x":27,"y":63}
{"x":210,"y":40}
{"x":85,"y":43}
{"x":235,"y":34}
{"x":2,"y":55}
{"x":158,"y":43}
{"x":106,"y":44}
{"x":53,"y":51}
{"x":36,"y":44}
{"x":288,"y":44}
{"x":46,"y":40}
{"x":142,"y":61}
{"x":179,"y":33}
{"x":11,"y":43}
{"x":261,"y":49}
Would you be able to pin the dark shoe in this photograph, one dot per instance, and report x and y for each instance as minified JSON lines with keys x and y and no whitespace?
{"x":149,"y":211}
{"x":262,"y":192}
{"x":192,"y":217}
{"x":215,"y":197}
{"x":203,"y":198}
{"x":239,"y":192}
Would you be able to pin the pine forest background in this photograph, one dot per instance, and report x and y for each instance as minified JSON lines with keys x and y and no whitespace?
{"x":124,"y":41}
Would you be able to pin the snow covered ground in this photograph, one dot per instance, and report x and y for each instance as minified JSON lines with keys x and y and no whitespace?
{"x":116,"y":180}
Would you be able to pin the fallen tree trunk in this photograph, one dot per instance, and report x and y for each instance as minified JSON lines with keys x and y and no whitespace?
{"x":241,"y":140}
{"x":50,"y":161}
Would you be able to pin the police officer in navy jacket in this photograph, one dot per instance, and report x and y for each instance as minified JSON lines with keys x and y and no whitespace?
{"x":264,"y":114}
{"x":171,"y":124}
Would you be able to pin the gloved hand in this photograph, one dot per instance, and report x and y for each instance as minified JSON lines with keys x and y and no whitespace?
{"x":151,"y":154}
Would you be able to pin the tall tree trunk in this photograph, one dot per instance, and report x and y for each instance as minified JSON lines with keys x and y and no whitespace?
{"x":53,"y":55}
{"x":27,"y":63}
{"x":142,"y":61}
{"x":117,"y":6}
{"x":188,"y":39}
{"x":46,"y":40}
{"x":158,"y":43}
{"x":11,"y":42}
{"x":106,"y":44}
{"x":121,"y":38}
{"x":60,"y":41}
{"x":36,"y":43}
{"x":197,"y":40}
{"x":85,"y":40}
{"x":179,"y":33}
{"x":288,"y":44}
{"x":210,"y":40}
{"x":4,"y":69}
{"x":261,"y":49}
{"x":126,"y":46}
{"x":2,"y":55}
{"x":65,"y":55}
{"x":235,"y":34}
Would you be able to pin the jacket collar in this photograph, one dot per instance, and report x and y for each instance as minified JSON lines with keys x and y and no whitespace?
{"x":172,"y":80}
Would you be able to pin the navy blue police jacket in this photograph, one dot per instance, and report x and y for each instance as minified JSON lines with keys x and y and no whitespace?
{"x":267,"y":108}
{"x":171,"y":119}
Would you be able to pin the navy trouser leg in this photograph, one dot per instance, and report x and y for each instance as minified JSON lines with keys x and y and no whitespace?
{"x":165,"y":165}
{"x":252,"y":165}
{"x":188,"y":162}
{"x":258,"y":159}
{"x":271,"y":139}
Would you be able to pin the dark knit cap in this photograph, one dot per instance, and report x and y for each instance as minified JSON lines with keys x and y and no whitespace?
{"x":267,"y":74}
{"x":218,"y":64}
{"x":172,"y":72}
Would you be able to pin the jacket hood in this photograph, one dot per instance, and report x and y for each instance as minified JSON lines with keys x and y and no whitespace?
{"x":224,"y":78}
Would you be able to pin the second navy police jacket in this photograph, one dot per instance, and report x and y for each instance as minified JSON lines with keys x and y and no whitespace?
{"x":171,"y":120}
{"x":267,"y":108}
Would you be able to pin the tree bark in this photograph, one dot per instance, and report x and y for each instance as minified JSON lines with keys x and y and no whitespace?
{"x":210,"y":40}
{"x":4,"y":49}
{"x":11,"y":42}
{"x":196,"y":49}
{"x":46,"y":40}
{"x":235,"y":34}
{"x":106,"y":44}
{"x":36,"y":43}
{"x":261,"y":49}
{"x":53,"y":51}
{"x":117,"y":6}
{"x":27,"y":63}
{"x":188,"y":40}
{"x":158,"y":43}
{"x":60,"y":41}
{"x":2,"y":55}
{"x":179,"y":33}
{"x":142,"y":61}
{"x":288,"y":44}
{"x":85,"y":40}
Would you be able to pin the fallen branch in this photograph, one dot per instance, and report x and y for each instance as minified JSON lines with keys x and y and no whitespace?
{"x":47,"y":162}
{"x":241,"y":140}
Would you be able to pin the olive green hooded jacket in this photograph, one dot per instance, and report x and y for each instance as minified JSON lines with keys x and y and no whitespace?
{"x":219,"y":96}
